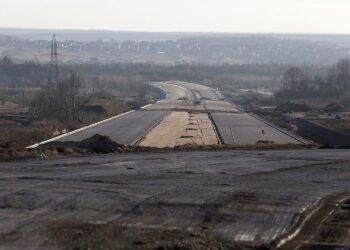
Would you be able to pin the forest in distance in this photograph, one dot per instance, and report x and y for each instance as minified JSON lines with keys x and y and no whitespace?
{"x":31,"y":74}
{"x":287,"y":79}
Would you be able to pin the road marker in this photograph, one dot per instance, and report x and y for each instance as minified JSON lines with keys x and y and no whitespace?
{"x":233,"y":137}
{"x":263,"y":134}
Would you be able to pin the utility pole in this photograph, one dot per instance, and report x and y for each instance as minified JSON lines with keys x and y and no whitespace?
{"x":53,"y":73}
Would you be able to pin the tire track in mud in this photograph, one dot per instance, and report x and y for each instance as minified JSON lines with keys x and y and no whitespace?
{"x":326,"y":226}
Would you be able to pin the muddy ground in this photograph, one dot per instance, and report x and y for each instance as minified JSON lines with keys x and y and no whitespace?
{"x":327,"y":227}
{"x":170,"y":200}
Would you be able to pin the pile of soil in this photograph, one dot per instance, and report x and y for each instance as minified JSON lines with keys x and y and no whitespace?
{"x":341,"y":126}
{"x":109,"y":105}
{"x":293,"y":107}
{"x":99,"y":144}
{"x":99,"y":108}
{"x":95,"y":144}
{"x":334,"y":107}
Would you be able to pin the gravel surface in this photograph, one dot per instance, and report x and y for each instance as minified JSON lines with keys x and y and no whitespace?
{"x":220,"y":200}
{"x":181,"y":128}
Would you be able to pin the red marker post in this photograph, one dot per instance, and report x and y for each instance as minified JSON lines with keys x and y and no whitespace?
{"x":263,"y":134}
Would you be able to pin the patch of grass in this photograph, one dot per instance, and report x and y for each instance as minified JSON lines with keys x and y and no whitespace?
{"x":24,"y":136}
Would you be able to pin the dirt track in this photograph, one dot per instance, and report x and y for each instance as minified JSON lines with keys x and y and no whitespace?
{"x":328,"y":227}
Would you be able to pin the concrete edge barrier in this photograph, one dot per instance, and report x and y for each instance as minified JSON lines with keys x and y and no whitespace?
{"x":78,"y":130}
{"x":299,"y":139}
{"x":217,"y":132}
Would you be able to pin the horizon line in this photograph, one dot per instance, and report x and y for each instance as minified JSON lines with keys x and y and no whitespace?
{"x":201,"y":32}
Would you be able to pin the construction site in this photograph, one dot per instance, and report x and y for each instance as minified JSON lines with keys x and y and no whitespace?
{"x":135,"y":156}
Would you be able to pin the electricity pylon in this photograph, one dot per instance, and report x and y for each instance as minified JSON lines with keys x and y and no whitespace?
{"x":53,"y":73}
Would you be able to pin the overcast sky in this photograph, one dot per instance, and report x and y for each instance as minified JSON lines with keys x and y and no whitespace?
{"x":287,"y":16}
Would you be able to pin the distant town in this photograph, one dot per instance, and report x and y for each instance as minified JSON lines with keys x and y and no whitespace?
{"x":172,"y":49}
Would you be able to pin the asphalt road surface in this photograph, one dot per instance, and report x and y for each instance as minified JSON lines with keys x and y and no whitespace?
{"x":125,"y":129}
{"x":173,"y":92}
{"x":183,"y":200}
{"x":220,"y":106}
{"x":241,"y":128}
{"x":201,"y":90}
{"x":233,"y":125}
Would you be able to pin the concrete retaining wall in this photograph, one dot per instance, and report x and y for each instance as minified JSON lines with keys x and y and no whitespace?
{"x":322,"y":135}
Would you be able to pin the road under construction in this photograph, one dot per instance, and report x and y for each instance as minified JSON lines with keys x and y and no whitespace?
{"x":230,"y":199}
{"x":189,"y":114}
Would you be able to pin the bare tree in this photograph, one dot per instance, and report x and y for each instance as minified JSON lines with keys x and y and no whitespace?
{"x":60,"y":103}
{"x":342,"y":70}
{"x":295,"y":79}
{"x":68,"y":98}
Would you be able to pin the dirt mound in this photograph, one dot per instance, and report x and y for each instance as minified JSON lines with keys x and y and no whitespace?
{"x":99,"y":108}
{"x":293,"y":107}
{"x":334,"y":107}
{"x":99,"y":144}
{"x":108,"y":105}
{"x":96,"y":144}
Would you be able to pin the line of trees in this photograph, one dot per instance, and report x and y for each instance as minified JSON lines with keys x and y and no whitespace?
{"x":297,"y":84}
{"x":31,"y":74}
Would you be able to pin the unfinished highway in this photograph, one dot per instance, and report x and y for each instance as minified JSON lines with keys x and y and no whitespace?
{"x":180,"y":200}
{"x":190,"y":114}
